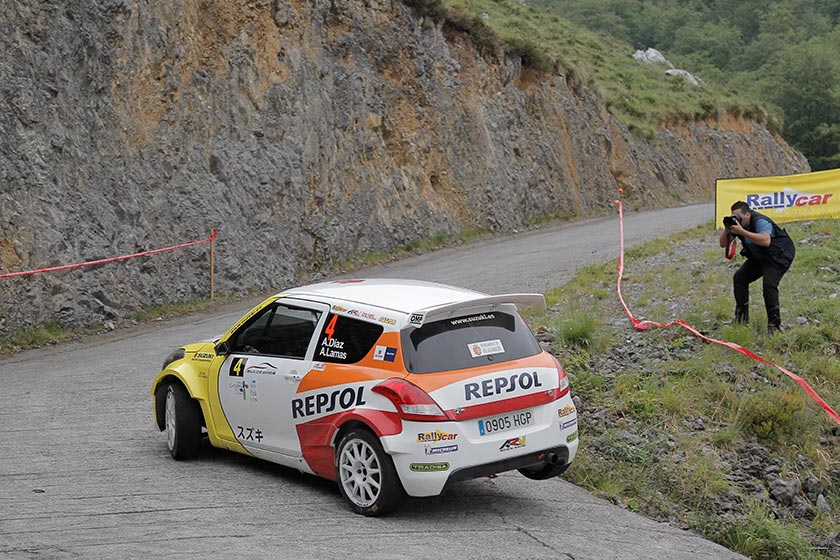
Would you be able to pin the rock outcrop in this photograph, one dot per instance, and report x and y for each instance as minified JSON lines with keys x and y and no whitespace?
{"x":305,"y":131}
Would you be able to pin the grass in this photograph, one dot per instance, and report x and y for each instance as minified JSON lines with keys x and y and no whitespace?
{"x":53,"y":332}
{"x":640,"y":95}
{"x":655,"y":386}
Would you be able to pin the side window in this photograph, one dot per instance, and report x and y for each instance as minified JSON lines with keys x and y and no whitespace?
{"x":280,"y":330}
{"x":345,"y":340}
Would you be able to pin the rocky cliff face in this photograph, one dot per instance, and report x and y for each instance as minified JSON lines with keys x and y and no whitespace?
{"x":305,"y":131}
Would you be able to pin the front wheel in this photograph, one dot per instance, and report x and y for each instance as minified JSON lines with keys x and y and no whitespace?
{"x":182,"y":422}
{"x":366,"y":475}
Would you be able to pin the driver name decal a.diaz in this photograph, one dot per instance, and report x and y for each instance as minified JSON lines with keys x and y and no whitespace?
{"x":340,"y":399}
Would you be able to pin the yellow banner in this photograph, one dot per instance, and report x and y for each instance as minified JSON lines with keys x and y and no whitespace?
{"x":785,"y":198}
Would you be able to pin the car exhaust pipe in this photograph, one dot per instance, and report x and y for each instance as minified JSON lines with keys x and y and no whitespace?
{"x":551,"y":458}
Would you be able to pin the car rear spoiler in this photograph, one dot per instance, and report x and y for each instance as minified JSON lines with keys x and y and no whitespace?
{"x":417,"y":318}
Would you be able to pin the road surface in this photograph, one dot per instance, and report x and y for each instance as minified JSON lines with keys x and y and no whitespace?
{"x":84,"y":474}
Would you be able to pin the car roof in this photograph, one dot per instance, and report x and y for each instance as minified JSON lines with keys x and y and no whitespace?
{"x":399,"y":295}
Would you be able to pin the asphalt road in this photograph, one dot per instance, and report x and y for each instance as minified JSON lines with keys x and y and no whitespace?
{"x":84,"y":474}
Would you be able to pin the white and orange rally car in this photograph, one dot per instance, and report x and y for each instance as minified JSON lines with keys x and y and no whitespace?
{"x":386,"y":386}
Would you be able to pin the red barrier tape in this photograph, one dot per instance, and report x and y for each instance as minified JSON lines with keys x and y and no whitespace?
{"x":112,"y":259}
{"x":645,"y":325}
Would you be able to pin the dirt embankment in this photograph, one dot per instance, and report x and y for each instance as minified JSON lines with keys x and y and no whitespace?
{"x":305,"y":132}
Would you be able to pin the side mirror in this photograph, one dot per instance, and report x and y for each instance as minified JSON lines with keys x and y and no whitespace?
{"x":223,"y":348}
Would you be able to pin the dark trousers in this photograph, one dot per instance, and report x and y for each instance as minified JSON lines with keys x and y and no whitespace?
{"x":749,"y":272}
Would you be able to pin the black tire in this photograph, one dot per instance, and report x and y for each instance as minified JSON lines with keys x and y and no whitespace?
{"x":182,"y":422}
{"x":544,"y":471}
{"x":366,"y":476}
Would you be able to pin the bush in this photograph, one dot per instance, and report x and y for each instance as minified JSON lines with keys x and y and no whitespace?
{"x":434,"y":9}
{"x":761,"y":537}
{"x":579,"y":330}
{"x":772,"y":416}
{"x":486,"y":40}
{"x":532,"y":56}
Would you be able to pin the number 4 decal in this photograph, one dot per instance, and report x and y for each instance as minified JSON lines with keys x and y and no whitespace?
{"x":237,"y":366}
{"x":330,"y":330}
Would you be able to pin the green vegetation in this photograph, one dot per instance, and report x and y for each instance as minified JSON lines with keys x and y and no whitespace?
{"x":669,"y":423}
{"x":50,"y":332}
{"x":775,"y":62}
{"x":784,"y":53}
{"x":643,"y":97}
{"x":53,"y":332}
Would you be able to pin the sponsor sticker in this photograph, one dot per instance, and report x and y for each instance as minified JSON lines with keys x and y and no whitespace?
{"x":568,"y":423}
{"x":433,"y":437}
{"x":572,"y":437}
{"x":203,"y":357}
{"x":261,"y":369}
{"x":249,"y":433}
{"x":319,"y":366}
{"x":566,"y":410}
{"x":513,"y":443}
{"x":328,"y":401}
{"x":486,"y":348}
{"x":388,"y":320}
{"x":441,"y":449}
{"x":429,"y":467}
{"x":385,"y":353}
{"x":503,"y":384}
{"x":416,"y":319}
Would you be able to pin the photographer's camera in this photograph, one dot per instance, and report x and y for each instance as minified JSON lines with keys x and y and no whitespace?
{"x":729,"y":221}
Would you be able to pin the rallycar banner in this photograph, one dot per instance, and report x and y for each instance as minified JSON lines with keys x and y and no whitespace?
{"x":785,"y":198}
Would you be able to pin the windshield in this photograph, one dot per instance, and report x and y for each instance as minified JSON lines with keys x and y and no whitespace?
{"x":466,"y":342}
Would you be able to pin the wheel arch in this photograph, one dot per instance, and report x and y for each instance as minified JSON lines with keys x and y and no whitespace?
{"x":377,"y":422}
{"x":164,"y":379}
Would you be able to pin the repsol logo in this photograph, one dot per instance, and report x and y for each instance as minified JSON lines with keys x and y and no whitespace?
{"x":340,"y":399}
{"x":504,"y":384}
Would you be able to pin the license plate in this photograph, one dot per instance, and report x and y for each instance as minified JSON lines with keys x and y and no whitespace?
{"x":505,"y":422}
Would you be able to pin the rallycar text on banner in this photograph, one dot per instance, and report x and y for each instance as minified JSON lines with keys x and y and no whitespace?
{"x":784,"y":198}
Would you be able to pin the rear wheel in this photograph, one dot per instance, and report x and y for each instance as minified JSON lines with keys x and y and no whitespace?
{"x":366,"y":475}
{"x":182,"y":422}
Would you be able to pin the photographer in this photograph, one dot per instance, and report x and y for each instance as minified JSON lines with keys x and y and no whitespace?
{"x":769,"y":251}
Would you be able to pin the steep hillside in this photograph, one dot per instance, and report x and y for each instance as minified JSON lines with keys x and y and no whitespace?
{"x":305,"y":131}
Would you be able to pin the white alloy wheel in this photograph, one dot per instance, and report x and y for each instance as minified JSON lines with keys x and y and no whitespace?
{"x":361,"y":474}
{"x":366,"y":475}
{"x":171,"y":416}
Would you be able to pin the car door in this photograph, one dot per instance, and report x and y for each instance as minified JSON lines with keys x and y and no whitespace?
{"x":269,"y":356}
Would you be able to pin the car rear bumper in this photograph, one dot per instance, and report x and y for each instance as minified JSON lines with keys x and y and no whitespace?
{"x":431,"y":456}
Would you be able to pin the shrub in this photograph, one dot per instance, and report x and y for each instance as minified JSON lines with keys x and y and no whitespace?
{"x":435,"y":9}
{"x":486,"y":40}
{"x":532,"y":56}
{"x":772,"y":416}
{"x":761,"y":537}
{"x":579,"y":330}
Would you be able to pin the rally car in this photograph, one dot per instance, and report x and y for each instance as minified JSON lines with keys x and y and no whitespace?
{"x":389,"y":387}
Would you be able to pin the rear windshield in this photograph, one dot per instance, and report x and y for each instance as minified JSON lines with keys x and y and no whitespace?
{"x":465,"y":342}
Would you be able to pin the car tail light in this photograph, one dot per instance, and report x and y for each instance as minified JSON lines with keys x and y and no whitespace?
{"x":412,"y":402}
{"x":563,"y":387}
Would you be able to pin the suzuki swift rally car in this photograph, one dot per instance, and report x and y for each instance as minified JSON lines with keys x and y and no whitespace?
{"x":386,"y":386}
